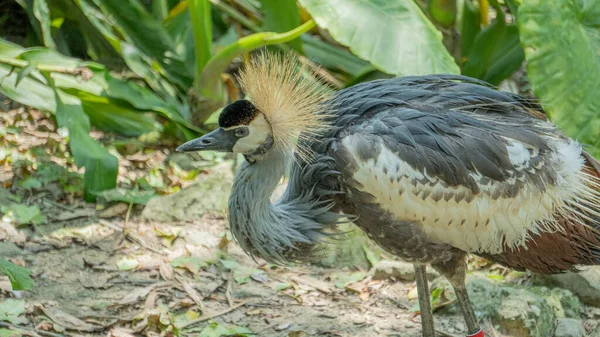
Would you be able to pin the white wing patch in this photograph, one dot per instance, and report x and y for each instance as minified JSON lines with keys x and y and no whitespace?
{"x":518,"y":154}
{"x":476,"y":222}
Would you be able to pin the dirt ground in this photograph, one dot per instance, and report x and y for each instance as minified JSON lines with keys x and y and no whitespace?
{"x":79,"y":273}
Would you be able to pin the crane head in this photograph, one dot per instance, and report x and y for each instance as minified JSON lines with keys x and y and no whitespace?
{"x":285,"y":106}
{"x":242,"y":129}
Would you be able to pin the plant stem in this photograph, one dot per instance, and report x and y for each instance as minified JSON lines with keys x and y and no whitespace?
{"x":484,"y":8}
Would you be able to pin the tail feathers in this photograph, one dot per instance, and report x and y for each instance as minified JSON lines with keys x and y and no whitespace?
{"x":582,"y":225}
{"x":577,"y":242}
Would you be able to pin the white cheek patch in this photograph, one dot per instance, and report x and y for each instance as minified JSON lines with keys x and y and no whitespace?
{"x":259,"y":131}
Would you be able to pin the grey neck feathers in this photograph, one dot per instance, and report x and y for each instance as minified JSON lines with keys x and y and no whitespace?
{"x":286,"y":230}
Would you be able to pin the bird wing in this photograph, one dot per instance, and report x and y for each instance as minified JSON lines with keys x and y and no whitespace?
{"x":480,"y":170}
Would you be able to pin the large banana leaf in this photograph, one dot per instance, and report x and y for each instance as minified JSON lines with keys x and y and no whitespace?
{"x":395,"y":36}
{"x":562,"y":48}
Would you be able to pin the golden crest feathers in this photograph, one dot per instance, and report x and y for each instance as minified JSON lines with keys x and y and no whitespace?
{"x":290,"y":96}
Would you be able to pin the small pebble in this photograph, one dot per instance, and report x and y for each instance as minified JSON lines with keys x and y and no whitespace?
{"x":283,"y":326}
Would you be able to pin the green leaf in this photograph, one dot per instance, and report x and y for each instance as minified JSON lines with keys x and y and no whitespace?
{"x":283,"y":286}
{"x":30,"y":92}
{"x":101,"y":168}
{"x":10,"y":333}
{"x":191,"y":263}
{"x":120,"y":91}
{"x":241,"y":274}
{"x":470,"y":27}
{"x":201,"y":20}
{"x":230,"y":265}
{"x":52,"y":58}
{"x":496,"y":53}
{"x":9,"y":50}
{"x":24,"y":72}
{"x":18,"y":276}
{"x":146,"y":33}
{"x":111,"y":117}
{"x":395,"y":36}
{"x":10,"y":310}
{"x":513,"y":7}
{"x":179,"y":28}
{"x":128,"y":263}
{"x":562,"y":48}
{"x":281,"y":16}
{"x":443,"y":11}
{"x":343,"y":279}
{"x":160,"y":9}
{"x":140,"y":197}
{"x":42,"y":13}
{"x":332,"y":57}
{"x":23,"y":214}
{"x":216,"y":330}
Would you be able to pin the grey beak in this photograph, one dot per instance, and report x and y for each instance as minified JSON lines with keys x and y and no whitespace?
{"x":217,"y":140}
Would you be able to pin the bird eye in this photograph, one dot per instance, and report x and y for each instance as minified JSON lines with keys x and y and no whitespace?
{"x":241,"y":132}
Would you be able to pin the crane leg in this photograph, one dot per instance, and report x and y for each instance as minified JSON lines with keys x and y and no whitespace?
{"x":455,"y":271}
{"x":424,"y":301}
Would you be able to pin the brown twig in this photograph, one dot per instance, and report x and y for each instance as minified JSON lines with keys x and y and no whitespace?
{"x":209,"y":317}
{"x":229,"y":291}
{"x":136,"y":239}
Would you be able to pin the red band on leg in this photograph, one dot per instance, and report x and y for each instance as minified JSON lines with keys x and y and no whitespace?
{"x":477,"y":334}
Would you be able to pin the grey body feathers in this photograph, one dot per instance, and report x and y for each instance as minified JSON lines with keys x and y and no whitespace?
{"x":446,"y":126}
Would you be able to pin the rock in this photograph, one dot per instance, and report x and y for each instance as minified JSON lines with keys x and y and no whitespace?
{"x":399,"y":270}
{"x":9,"y":249}
{"x":520,"y":311}
{"x":250,"y":290}
{"x":208,"y":195}
{"x":569,"y":327}
{"x":183,"y":160}
{"x":585,"y":284}
{"x":352,"y":249}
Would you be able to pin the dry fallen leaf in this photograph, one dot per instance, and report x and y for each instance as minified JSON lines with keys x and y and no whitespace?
{"x":166,"y":272}
{"x":68,"y":321}
{"x":312,"y":282}
{"x":193,"y":294}
{"x":114,"y":210}
{"x":78,"y":213}
{"x":168,"y":234}
{"x":120,"y":332}
{"x":95,"y":281}
{"x":128,"y":263}
{"x":140,"y":293}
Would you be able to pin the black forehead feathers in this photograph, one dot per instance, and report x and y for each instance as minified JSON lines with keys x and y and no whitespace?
{"x":240,"y":112}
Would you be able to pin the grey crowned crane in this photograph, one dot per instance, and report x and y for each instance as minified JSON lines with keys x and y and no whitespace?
{"x":431,"y":168}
